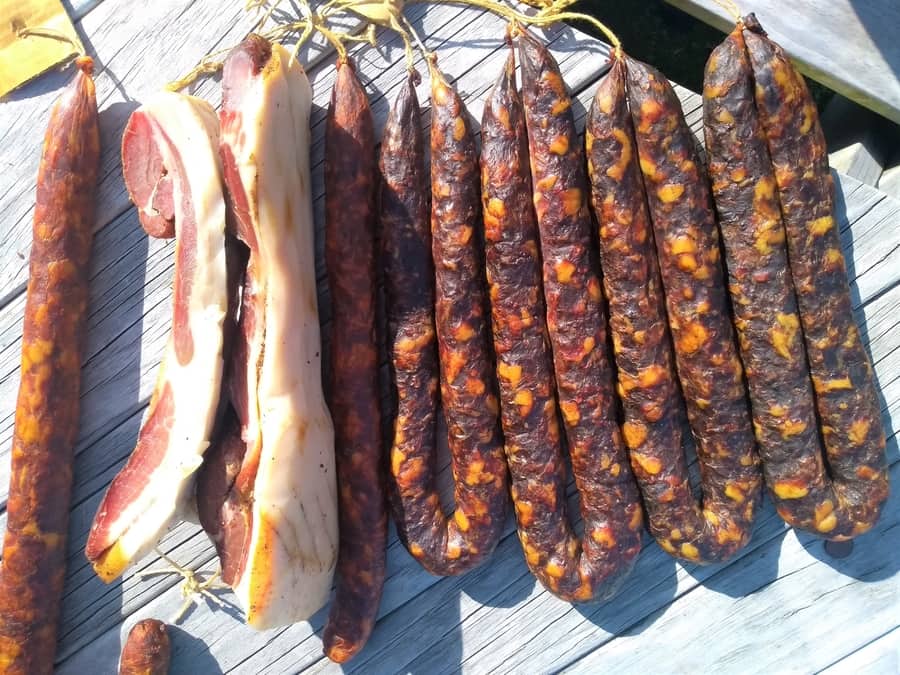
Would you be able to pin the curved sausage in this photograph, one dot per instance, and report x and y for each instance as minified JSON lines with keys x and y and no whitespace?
{"x":350,"y":174}
{"x":846,"y":401}
{"x":46,"y":426}
{"x":576,"y":323}
{"x":441,"y":545}
{"x":706,"y":359}
{"x":147,"y":650}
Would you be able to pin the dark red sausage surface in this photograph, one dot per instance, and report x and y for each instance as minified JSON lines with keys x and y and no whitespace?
{"x":147,"y":650}
{"x":706,"y":359}
{"x":454,"y":287}
{"x":353,"y":394}
{"x":595,"y":567}
{"x":46,"y":426}
{"x":846,"y":401}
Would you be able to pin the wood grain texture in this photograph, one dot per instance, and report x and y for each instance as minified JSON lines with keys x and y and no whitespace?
{"x":882,"y":655}
{"x":496,"y":617}
{"x":848,"y":45}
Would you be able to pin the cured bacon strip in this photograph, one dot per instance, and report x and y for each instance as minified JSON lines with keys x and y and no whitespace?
{"x":172,"y":172}
{"x":267,"y":496}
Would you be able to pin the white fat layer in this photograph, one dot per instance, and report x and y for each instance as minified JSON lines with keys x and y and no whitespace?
{"x":294,"y":532}
{"x":193,"y":127}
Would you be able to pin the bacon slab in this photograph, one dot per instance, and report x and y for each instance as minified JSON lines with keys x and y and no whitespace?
{"x":267,"y":495}
{"x":172,"y":171}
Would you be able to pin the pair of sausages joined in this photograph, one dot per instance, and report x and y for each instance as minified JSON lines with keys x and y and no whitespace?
{"x":46,"y":425}
{"x":350,"y":254}
{"x":790,"y":292}
{"x":438,"y":331}
{"x":535,"y":203}
{"x":660,"y":255}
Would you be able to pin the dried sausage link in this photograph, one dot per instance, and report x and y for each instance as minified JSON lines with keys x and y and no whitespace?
{"x":765,"y":307}
{"x":595,"y":567}
{"x":706,"y":359}
{"x":350,"y":176}
{"x":443,"y":546}
{"x":647,"y":383}
{"x":46,"y":425}
{"x":845,"y":395}
{"x":147,"y":650}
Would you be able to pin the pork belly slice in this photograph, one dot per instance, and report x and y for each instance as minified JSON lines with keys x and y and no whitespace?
{"x":271,"y":506}
{"x":172,"y":170}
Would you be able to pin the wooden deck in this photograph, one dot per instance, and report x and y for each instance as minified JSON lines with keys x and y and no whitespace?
{"x":848,"y":45}
{"x":783,"y":605}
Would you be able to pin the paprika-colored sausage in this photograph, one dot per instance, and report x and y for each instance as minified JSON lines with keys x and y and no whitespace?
{"x":350,"y":176}
{"x":443,"y":546}
{"x":708,"y":368}
{"x":849,"y":502}
{"x":147,"y":650}
{"x":46,"y":426}
{"x":576,"y":322}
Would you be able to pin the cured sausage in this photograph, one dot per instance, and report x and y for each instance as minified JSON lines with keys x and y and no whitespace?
{"x":350,"y":175}
{"x":705,"y":354}
{"x":595,"y":567}
{"x":147,"y":650}
{"x":850,"y":502}
{"x":405,"y":237}
{"x":46,"y":424}
{"x":443,"y":546}
{"x":765,"y":307}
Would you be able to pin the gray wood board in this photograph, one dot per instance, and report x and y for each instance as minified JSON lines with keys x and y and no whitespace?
{"x":848,"y":45}
{"x":497,"y":617}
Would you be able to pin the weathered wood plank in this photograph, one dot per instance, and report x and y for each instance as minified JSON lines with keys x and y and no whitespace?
{"x":77,"y":9}
{"x":879,"y":656}
{"x":847,"y":45}
{"x":889,"y":182}
{"x":775,"y":610}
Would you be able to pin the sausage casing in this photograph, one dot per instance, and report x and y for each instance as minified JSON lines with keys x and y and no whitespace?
{"x":147,"y":650}
{"x":46,"y":425}
{"x":455,"y":287}
{"x":707,"y":364}
{"x":576,"y":321}
{"x":354,"y":399}
{"x":845,"y":396}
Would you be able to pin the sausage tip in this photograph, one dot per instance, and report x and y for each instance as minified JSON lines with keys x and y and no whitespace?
{"x":85,"y":64}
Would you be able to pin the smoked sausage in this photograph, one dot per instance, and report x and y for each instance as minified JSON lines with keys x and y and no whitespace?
{"x":354,"y":400}
{"x":595,"y":567}
{"x":705,"y":355}
{"x":444,"y":263}
{"x":850,"y":501}
{"x":46,"y":425}
{"x":147,"y":650}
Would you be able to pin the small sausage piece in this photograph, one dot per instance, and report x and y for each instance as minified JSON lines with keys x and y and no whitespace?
{"x":443,"y":546}
{"x":147,"y":650}
{"x":594,"y":568}
{"x":708,"y":367}
{"x":46,"y":426}
{"x":845,"y":395}
{"x":350,"y":175}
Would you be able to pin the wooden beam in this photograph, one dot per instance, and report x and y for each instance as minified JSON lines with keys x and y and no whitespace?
{"x":849,"y":46}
